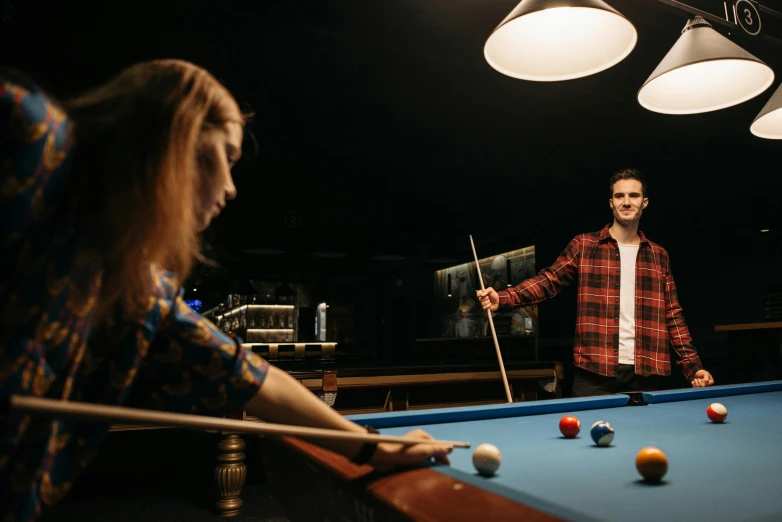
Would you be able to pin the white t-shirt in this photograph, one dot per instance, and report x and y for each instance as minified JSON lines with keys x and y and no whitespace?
{"x":627,"y":255}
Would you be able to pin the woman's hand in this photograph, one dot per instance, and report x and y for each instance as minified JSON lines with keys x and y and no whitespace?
{"x":392,"y":454}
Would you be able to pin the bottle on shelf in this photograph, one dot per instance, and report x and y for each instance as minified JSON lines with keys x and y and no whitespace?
{"x":219,"y":315}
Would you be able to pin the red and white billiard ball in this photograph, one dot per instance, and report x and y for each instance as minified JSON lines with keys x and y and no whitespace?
{"x":569,"y":425}
{"x":717,"y":412}
{"x":486,"y":458}
{"x":652,"y":464}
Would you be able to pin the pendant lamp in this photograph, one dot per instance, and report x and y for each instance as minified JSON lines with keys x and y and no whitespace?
{"x":704,"y":71}
{"x":555,"y":40}
{"x":768,"y":124}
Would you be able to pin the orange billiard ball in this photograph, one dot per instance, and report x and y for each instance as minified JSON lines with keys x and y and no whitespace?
{"x":652,"y":464}
{"x":569,"y":425}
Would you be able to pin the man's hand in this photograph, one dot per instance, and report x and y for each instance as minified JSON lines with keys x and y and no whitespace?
{"x":489,"y":299}
{"x":702,"y":379}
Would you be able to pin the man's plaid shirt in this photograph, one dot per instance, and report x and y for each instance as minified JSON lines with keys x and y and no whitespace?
{"x":593,"y":259}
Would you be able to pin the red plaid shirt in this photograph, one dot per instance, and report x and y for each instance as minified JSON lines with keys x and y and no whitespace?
{"x":593,"y":259}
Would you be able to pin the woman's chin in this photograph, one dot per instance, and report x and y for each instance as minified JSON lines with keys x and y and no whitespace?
{"x":204,"y":222}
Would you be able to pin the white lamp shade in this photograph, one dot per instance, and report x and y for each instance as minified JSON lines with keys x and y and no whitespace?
{"x":555,"y":40}
{"x":768,"y":123}
{"x":704,"y":71}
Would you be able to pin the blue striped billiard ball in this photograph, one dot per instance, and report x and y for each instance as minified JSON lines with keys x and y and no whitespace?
{"x":602,"y":433}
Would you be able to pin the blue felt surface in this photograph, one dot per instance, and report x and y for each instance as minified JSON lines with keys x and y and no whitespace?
{"x":717,"y":472}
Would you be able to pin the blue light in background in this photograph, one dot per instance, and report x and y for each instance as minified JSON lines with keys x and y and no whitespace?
{"x":195,"y":304}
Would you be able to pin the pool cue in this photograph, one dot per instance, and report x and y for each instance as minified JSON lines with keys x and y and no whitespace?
{"x":55,"y":408}
{"x":491,"y":324}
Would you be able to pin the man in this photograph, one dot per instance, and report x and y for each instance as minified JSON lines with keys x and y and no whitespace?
{"x":628,"y":310}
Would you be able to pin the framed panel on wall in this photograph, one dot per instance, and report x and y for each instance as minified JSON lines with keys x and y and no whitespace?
{"x":457,"y":312}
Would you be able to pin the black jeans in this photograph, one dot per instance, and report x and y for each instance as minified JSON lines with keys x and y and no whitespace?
{"x":587,"y":384}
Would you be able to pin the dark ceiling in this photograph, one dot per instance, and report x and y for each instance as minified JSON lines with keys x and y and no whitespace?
{"x":382,"y":130}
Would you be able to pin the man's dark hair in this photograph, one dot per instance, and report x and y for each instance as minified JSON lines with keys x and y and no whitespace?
{"x":627,"y":174}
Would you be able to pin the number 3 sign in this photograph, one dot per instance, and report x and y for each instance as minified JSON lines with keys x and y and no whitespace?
{"x":747,"y":17}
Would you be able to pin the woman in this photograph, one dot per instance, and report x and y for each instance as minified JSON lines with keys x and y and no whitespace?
{"x":102,"y":199}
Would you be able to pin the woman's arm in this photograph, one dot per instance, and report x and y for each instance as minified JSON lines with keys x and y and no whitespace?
{"x":282,"y":399}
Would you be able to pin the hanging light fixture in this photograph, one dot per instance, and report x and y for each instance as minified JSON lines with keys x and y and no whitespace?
{"x":768,"y":124}
{"x":555,"y":40}
{"x":703,"y":71}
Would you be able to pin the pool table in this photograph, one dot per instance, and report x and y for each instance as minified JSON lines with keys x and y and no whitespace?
{"x":361,"y":386}
{"x":730,"y":471}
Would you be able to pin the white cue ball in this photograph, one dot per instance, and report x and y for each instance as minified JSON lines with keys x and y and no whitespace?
{"x":486,"y":458}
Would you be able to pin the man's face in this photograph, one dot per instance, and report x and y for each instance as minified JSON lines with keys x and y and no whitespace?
{"x":628,"y":201}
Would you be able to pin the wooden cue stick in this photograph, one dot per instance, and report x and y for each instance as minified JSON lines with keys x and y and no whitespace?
{"x":491,"y":324}
{"x":43,"y":407}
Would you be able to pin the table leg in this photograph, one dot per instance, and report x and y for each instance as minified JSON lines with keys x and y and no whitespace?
{"x":230,"y":474}
{"x":400,"y":400}
{"x":559,"y":371}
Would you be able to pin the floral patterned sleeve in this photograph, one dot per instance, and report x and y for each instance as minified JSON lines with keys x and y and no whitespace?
{"x":197,"y":368}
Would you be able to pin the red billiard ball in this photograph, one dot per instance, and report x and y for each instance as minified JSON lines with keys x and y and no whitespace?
{"x":717,"y":412}
{"x":569,"y":426}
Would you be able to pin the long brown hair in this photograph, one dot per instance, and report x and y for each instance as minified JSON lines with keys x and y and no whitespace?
{"x":136,"y":147}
